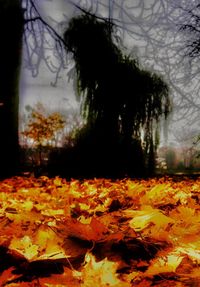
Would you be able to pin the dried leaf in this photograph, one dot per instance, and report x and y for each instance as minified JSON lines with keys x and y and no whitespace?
{"x":144,"y":218}
{"x":101,"y":274}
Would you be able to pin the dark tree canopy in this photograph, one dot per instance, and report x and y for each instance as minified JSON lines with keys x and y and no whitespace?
{"x":120,"y":101}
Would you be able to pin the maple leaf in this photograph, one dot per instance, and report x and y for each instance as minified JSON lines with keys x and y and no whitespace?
{"x":168,"y":263}
{"x":159,"y":194}
{"x":24,"y":246}
{"x":5,"y":275}
{"x":36,"y":225}
{"x":101,"y":274}
{"x":182,"y":196}
{"x":187,"y":224}
{"x":94,"y":231}
{"x":147,"y":216}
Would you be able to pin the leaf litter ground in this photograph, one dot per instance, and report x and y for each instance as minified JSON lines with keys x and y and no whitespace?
{"x":99,"y":232}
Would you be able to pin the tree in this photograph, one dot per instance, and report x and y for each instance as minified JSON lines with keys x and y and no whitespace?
{"x":16,"y":17}
{"x":191,"y":24}
{"x":10,"y":50}
{"x":160,"y":47}
{"x":42,"y":128}
{"x":170,"y":158}
{"x":120,"y":101}
{"x":150,"y":30}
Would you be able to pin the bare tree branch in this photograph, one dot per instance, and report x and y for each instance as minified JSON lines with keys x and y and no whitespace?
{"x":155,"y":31}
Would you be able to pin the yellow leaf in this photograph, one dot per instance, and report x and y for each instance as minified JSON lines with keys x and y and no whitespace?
{"x":52,"y":212}
{"x":168,"y":263}
{"x":57,"y":181}
{"x":101,"y":274}
{"x":24,"y":246}
{"x":144,"y":218}
{"x":27,"y":205}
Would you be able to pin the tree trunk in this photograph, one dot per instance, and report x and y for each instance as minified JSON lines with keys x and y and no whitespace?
{"x":11,"y":30}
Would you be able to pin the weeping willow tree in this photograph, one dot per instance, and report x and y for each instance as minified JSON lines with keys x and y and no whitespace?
{"x":122,"y":103}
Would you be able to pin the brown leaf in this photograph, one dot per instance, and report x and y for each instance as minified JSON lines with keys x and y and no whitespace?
{"x":95,"y":231}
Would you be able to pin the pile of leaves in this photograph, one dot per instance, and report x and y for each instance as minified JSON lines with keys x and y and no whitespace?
{"x":99,"y":232}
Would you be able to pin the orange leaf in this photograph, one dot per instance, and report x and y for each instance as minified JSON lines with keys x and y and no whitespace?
{"x":91,"y":232}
